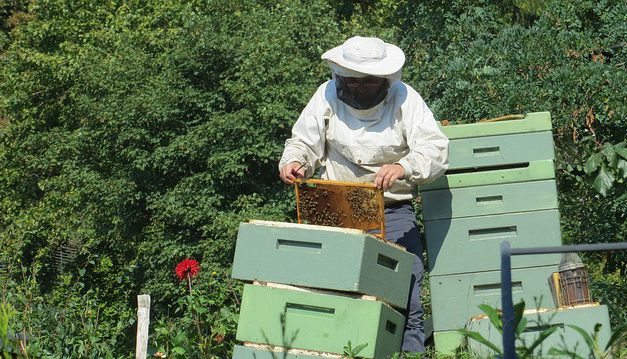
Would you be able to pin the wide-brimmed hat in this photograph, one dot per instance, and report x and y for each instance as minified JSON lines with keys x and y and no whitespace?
{"x":367,"y":55}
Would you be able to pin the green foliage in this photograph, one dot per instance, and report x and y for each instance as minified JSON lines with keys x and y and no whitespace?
{"x":146,"y":131}
{"x":69,"y":323}
{"x":351,"y":352}
{"x":8,"y":345}
{"x":199,"y":325}
{"x":601,"y":169}
{"x":527,"y":350}
{"x":592,"y":341}
{"x":523,"y":349}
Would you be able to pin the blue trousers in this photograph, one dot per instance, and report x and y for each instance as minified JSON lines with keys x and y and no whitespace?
{"x":401,"y":228}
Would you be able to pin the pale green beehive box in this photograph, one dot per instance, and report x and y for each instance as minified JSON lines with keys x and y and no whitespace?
{"x":487,"y":200}
{"x":565,"y":337}
{"x":510,"y":151}
{"x":454,"y":298}
{"x":536,"y":170}
{"x":322,"y":257}
{"x":504,"y":150}
{"x":320,"y":322}
{"x":494,"y":144}
{"x":471,"y":244}
{"x":248,"y":352}
{"x":447,"y":341}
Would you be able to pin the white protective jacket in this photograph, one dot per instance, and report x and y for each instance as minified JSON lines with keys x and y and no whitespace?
{"x":352,"y":145}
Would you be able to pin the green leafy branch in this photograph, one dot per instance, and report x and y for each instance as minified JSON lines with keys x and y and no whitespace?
{"x":602,"y":169}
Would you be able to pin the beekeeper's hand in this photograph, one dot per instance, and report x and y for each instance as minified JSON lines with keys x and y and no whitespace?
{"x":292,"y":171}
{"x":387,"y":174}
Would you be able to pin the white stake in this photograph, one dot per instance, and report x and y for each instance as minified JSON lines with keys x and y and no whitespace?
{"x":143,"y":323}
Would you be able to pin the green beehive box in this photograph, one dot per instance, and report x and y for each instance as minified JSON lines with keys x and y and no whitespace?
{"x":565,"y":337}
{"x":532,"y":122}
{"x":454,"y":298}
{"x":471,"y":244}
{"x":447,"y":341}
{"x":322,"y":257}
{"x":535,"y":170}
{"x":499,"y":151}
{"x":320,"y":322}
{"x":247,"y":352}
{"x":491,"y":199}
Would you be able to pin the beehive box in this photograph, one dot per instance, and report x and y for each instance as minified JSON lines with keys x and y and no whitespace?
{"x":341,"y":204}
{"x":536,"y":170}
{"x":322,"y":257}
{"x":584,"y":317}
{"x":495,"y":144}
{"x":320,"y":322}
{"x":447,"y":341}
{"x":265,"y":352}
{"x":471,"y":244}
{"x":503,"y":150}
{"x":454,"y":298}
{"x":490,"y":199}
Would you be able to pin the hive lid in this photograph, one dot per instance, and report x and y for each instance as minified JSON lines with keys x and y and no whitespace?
{"x":531,"y":122}
{"x":570,"y":261}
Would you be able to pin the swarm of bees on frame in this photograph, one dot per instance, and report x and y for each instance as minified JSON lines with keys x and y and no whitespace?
{"x":316,"y":208}
{"x":314,"y":213}
{"x":363,"y":205}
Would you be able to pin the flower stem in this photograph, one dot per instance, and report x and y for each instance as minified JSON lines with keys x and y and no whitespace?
{"x":189,"y":285}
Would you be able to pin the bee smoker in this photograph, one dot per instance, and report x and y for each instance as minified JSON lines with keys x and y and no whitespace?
{"x":573,"y":281}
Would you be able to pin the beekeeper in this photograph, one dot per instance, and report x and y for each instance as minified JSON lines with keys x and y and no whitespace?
{"x":366,"y":125}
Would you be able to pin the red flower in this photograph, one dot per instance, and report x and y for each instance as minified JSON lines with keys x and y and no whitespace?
{"x":185,"y":267}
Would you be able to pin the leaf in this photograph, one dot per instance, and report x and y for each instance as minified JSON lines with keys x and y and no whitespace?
{"x":585,"y":335}
{"x":495,"y":317}
{"x":359,"y":348}
{"x":609,"y":153}
{"x":201,"y":310}
{"x":519,"y":309}
{"x":543,"y":335}
{"x":622,"y":167}
{"x":593,"y":163}
{"x":347,"y":348}
{"x":621,"y":151}
{"x":522,"y":324}
{"x":479,"y":338}
{"x":604,"y":181}
{"x":564,"y":352}
{"x":180,"y":338}
{"x":616,"y":334}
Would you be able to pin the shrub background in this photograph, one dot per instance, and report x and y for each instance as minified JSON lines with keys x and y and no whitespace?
{"x":142,"y":133}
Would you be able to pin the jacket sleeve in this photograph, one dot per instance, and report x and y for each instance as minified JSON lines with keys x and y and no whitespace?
{"x":428,"y":146}
{"x":308,"y":138}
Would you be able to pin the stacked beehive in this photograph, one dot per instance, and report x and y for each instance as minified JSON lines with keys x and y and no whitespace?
{"x":315,"y":289}
{"x":500,"y":186}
